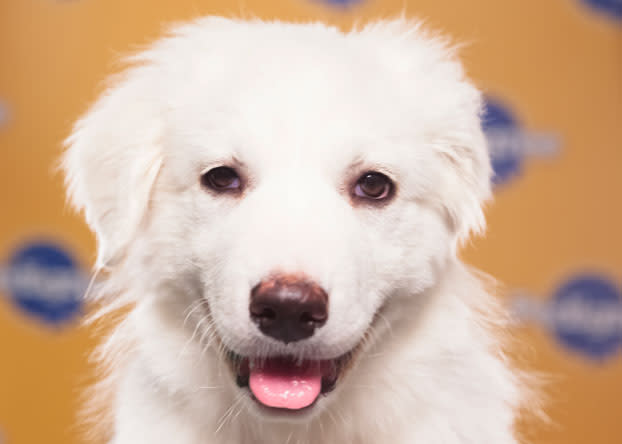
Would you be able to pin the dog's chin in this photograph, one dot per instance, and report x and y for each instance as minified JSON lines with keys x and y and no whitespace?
{"x":283,"y":387}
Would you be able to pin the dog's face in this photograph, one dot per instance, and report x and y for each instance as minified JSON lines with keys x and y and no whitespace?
{"x":285,"y":182}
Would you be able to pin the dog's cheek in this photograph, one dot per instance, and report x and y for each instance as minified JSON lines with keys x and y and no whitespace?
{"x":429,"y":256}
{"x":413,"y":253}
{"x":164,"y":243}
{"x":190,"y":255}
{"x":398,"y":251}
{"x":224,"y":281}
{"x":390,"y":263}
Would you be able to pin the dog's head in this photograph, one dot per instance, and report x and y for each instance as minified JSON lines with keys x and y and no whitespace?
{"x":285,"y":182}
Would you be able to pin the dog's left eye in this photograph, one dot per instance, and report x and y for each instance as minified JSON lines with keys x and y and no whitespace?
{"x":373,"y":185}
{"x":222,"y":179}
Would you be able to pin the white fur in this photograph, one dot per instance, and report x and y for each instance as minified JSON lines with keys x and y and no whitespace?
{"x":304,"y":109}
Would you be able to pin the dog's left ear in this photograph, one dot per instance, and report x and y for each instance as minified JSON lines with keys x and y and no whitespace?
{"x":111,"y":163}
{"x":464,"y":150}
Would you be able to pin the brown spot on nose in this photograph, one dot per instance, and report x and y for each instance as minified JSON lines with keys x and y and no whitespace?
{"x":288,"y":308}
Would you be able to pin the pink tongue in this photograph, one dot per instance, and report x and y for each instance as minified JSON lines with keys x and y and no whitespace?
{"x":283,"y":384}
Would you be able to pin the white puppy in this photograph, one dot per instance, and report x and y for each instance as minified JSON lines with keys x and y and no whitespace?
{"x":281,"y":207}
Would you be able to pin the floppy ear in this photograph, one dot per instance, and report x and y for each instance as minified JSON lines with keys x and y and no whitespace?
{"x":464,"y":151}
{"x":111,"y":162}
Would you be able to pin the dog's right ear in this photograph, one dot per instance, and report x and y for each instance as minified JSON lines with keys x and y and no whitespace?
{"x":111,"y":163}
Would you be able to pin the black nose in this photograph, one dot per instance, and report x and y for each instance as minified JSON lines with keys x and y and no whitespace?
{"x":288,"y":307}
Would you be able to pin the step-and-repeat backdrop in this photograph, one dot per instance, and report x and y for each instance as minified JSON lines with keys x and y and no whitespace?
{"x":552,"y":74}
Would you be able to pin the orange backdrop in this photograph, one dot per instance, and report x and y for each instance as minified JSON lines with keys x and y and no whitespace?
{"x":552,"y":72}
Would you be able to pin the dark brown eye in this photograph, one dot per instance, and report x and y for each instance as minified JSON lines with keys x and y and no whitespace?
{"x":373,"y":185}
{"x":221,"y":179}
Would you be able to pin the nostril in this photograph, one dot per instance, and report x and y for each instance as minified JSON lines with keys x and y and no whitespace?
{"x":263,"y":315}
{"x":311,"y":320}
{"x":307,"y":319}
{"x":267,"y":313}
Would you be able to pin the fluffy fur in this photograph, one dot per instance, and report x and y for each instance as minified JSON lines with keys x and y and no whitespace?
{"x":302,"y":111}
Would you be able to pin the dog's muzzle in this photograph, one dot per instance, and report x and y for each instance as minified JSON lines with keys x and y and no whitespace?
{"x":287,"y":308}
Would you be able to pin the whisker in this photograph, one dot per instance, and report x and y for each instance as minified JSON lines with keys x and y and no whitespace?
{"x":289,"y":437}
{"x":387,"y":323}
{"x":215,"y":387}
{"x":228,"y":413}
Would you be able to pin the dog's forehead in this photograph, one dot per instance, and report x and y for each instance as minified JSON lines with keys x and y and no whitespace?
{"x":310,"y":111}
{"x":287,"y":128}
{"x":279,"y":96}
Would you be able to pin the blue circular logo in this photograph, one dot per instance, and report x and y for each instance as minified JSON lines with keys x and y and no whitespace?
{"x":505,"y":141}
{"x":44,"y":281}
{"x":613,"y":8}
{"x":586,"y":315}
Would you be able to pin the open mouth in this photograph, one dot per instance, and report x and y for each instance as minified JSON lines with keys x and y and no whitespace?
{"x":286,"y":383}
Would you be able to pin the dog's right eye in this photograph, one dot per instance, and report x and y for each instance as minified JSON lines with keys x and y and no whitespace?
{"x":373,"y":186}
{"x":222,"y":179}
